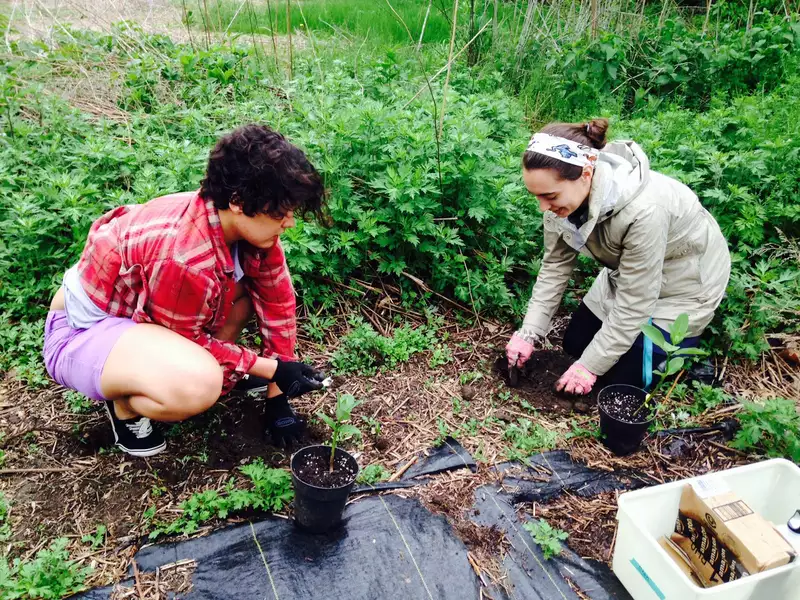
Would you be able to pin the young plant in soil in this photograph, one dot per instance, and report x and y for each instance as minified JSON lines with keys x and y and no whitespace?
{"x":547,"y":537}
{"x":341,"y":429}
{"x":676,"y":356}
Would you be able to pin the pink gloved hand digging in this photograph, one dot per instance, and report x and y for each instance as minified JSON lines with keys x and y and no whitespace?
{"x":518,"y":351}
{"x":577,"y":380}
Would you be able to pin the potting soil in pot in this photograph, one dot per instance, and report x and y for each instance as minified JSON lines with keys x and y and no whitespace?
{"x":625,"y":407}
{"x":314,"y":470}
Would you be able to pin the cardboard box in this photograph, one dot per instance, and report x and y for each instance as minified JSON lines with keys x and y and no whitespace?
{"x":722,"y":536}
{"x":680,"y":558}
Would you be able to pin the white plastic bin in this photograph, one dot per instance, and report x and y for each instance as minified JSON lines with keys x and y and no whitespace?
{"x":771,"y":488}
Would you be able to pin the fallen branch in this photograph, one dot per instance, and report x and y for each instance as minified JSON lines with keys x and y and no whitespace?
{"x":42,"y":470}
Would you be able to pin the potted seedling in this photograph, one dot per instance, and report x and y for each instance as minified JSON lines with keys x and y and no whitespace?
{"x":323,"y":475}
{"x":627,"y":411}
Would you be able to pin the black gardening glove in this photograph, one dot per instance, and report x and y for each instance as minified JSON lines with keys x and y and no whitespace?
{"x":296,"y":378}
{"x":283,"y":424}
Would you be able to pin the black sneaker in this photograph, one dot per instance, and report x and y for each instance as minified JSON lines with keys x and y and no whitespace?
{"x":251,"y":385}
{"x":135,"y":436}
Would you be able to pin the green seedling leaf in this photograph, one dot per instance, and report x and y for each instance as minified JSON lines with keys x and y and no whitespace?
{"x":347,"y":431}
{"x":691,"y":352}
{"x":675,"y":365}
{"x":679,"y":329}
{"x":327,"y":420}
{"x":655,"y":335}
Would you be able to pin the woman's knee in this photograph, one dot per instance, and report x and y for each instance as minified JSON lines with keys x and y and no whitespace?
{"x":195,"y":391}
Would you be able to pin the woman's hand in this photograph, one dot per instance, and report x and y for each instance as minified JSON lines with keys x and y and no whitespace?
{"x":518,"y":351}
{"x":296,"y":378}
{"x":578,"y":380}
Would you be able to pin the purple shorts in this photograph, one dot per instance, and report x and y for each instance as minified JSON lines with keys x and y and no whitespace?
{"x":75,"y":357}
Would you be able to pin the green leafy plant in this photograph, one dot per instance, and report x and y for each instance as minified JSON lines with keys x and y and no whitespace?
{"x":579,"y":431}
{"x":5,"y":526}
{"x":443,"y":430}
{"x":341,"y":429}
{"x":363,"y":350}
{"x":372,"y":474}
{"x":771,"y":427}
{"x":469,"y":377}
{"x":50,"y":574}
{"x":373,"y":424}
{"x":547,"y":537}
{"x":527,"y":438}
{"x":271,"y":490}
{"x":78,"y":403}
{"x":706,"y":397}
{"x":97,"y":538}
{"x":676,"y":356}
{"x":441,"y":355}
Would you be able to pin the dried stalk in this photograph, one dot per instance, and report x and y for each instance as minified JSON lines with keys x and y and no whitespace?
{"x":424,"y":24}
{"x":289,"y":31}
{"x":449,"y":65}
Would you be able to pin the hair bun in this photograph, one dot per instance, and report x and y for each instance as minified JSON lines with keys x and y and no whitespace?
{"x":596,"y":130}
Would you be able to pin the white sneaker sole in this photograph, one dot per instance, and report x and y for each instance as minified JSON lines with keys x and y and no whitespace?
{"x":143,"y":453}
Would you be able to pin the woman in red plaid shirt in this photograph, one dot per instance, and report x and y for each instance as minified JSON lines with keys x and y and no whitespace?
{"x":147,"y":321}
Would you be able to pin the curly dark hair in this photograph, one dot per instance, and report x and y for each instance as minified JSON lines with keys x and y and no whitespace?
{"x":256,"y":168}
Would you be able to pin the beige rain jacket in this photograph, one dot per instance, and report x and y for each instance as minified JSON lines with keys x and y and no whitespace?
{"x":663,"y":255}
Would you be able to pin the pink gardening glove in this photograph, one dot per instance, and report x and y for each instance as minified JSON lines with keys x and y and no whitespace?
{"x":577,"y":380}
{"x":518,"y":351}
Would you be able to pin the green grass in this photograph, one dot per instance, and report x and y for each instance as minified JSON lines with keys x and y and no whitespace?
{"x":371,"y":19}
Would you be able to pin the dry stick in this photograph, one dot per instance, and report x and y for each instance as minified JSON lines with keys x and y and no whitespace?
{"x":449,"y":64}
{"x":272,"y":32}
{"x":188,"y":28}
{"x":433,"y":97}
{"x":42,"y":470}
{"x":289,"y":31}
{"x":11,"y":20}
{"x":313,"y":49}
{"x":250,"y":14}
{"x":136,"y":579}
{"x":674,"y":383}
{"x":207,"y":23}
{"x":469,"y":287}
{"x":422,"y":284}
{"x":233,"y":18}
{"x":494,"y":24}
{"x":525,"y":33}
{"x":471,"y":57}
{"x":708,"y":15}
{"x":219,"y":17}
{"x":594,"y":19}
{"x":400,"y":472}
{"x":444,"y":68}
{"x":424,"y":23}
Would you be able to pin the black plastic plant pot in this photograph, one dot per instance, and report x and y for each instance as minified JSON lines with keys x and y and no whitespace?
{"x":320,"y":496}
{"x":624,"y":420}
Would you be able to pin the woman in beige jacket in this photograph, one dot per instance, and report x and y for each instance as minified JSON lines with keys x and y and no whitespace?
{"x":662,"y":253}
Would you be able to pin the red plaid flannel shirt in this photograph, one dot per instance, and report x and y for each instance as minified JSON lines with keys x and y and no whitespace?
{"x":166,"y":262}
